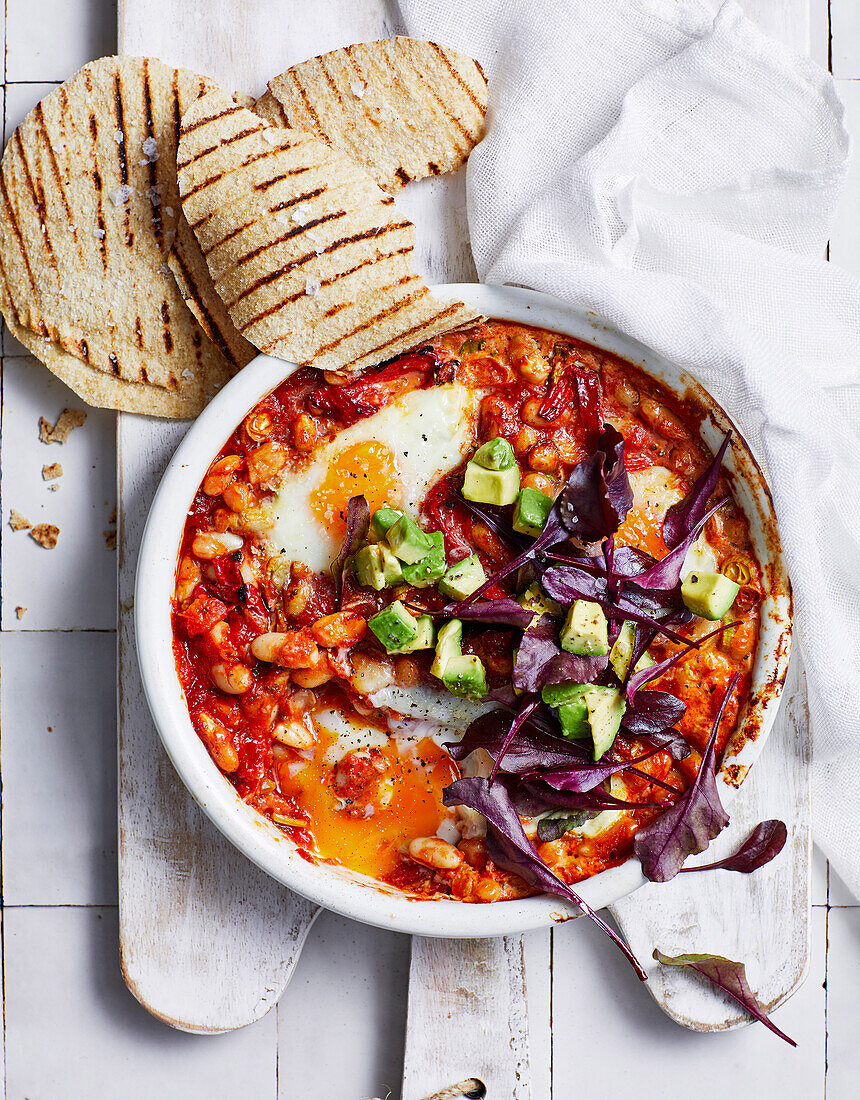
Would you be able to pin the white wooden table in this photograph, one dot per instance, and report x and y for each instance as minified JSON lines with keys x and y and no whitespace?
{"x":71,"y":1029}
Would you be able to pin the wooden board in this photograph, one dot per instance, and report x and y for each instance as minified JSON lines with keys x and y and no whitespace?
{"x":762,"y":919}
{"x":208,"y":943}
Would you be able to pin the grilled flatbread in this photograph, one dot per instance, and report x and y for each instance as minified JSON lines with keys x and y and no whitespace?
{"x":403,"y":108}
{"x":309,"y":256}
{"x":88,"y":214}
{"x":104,"y":391}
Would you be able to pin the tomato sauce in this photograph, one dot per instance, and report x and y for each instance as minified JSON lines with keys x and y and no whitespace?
{"x":377,"y":807}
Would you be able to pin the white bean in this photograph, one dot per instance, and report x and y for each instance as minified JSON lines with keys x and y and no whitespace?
{"x":293,"y":734}
{"x":212,"y":544}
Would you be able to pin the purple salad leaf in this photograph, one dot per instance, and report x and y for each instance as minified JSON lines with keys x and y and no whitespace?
{"x":674,"y":743}
{"x":529,"y":705}
{"x":533,"y":749}
{"x":689,"y":826}
{"x":652,"y":712}
{"x":510,"y":848}
{"x":357,"y":526}
{"x":666,"y":573}
{"x":629,"y":562}
{"x":763,"y":844}
{"x":540,"y":660}
{"x":566,"y":585}
{"x":682,"y":517}
{"x":646,"y":675}
{"x":536,"y":797}
{"x":598,"y":495}
{"x":585,"y":775}
{"x":731,"y":977}
{"x":503,"y":611}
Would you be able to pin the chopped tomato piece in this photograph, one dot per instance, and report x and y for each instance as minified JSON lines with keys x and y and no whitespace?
{"x":202,"y":614}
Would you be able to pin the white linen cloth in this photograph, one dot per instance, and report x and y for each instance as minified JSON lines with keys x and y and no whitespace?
{"x":678,"y":172}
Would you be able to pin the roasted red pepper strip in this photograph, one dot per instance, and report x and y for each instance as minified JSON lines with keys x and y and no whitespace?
{"x":232,"y":588}
{"x":358,"y":399}
{"x":575,"y":379}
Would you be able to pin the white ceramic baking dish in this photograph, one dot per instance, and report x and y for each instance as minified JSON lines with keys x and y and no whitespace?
{"x":343,"y":890}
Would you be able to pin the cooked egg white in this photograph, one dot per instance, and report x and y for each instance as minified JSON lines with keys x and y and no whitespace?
{"x":348,"y":733}
{"x":391,"y":458}
{"x":429,"y":712}
{"x":655,"y":490}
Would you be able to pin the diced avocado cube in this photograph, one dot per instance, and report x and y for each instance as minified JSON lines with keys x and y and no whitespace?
{"x":376,"y":567}
{"x":574,"y":719}
{"x":449,"y":644}
{"x":606,"y":708}
{"x":408,"y":541}
{"x":622,"y":651}
{"x":431,"y":567}
{"x":426,"y":634}
{"x":464,"y":578}
{"x":709,"y":595}
{"x":394,"y":626}
{"x":534,"y":600}
{"x":530,"y":511}
{"x":585,"y":631}
{"x":498,"y":454}
{"x":485,"y":486}
{"x":382,"y":520}
{"x":556,"y":695}
{"x":465,"y":675}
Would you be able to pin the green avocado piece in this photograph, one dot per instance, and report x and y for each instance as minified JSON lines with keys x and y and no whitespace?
{"x":498,"y":454}
{"x":424,"y":640}
{"x":622,"y":651}
{"x":585,"y":631}
{"x":491,"y":486}
{"x":530,"y":511}
{"x":449,"y":644}
{"x":382,"y":520}
{"x":408,"y":541}
{"x":556,"y":695}
{"x":709,"y":595}
{"x":465,"y":675}
{"x":376,"y":567}
{"x":573,"y":718}
{"x":395,"y":627}
{"x":430,"y":568}
{"x":464,"y":578}
{"x":534,"y":600}
{"x":606,"y":708}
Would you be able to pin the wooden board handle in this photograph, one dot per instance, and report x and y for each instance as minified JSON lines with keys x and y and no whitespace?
{"x":467,"y":1024}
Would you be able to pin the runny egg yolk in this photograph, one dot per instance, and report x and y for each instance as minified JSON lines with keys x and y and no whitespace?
{"x":367,"y":468}
{"x":390,"y":799}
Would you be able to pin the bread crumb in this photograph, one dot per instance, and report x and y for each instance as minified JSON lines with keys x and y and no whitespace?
{"x":18,"y":522}
{"x":59,"y":433}
{"x":46,"y":534}
{"x":20,"y":612}
{"x":110,"y":539}
{"x":50,"y":472}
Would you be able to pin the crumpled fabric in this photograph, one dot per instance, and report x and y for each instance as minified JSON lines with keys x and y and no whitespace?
{"x":675,"y":170}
